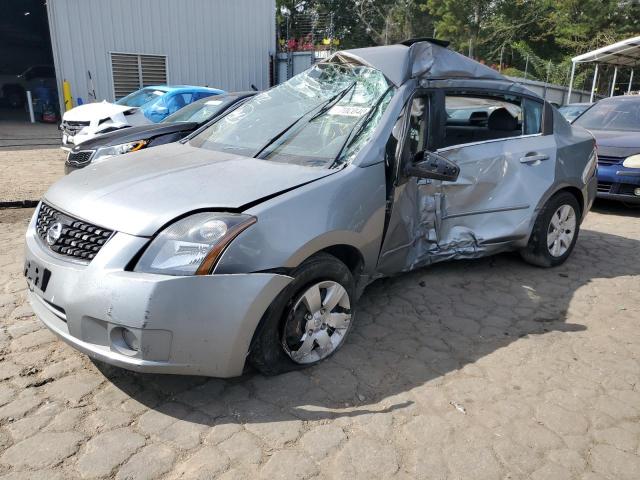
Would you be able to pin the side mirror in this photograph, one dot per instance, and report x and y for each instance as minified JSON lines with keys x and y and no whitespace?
{"x":161,"y":110}
{"x":431,"y":165}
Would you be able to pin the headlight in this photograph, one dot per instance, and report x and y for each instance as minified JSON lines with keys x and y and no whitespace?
{"x":105,"y":152}
{"x":590,"y":167}
{"x":632,"y":162}
{"x":192,"y":246}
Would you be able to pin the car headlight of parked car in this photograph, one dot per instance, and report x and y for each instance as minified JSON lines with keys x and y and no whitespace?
{"x":632,"y":162}
{"x":192,"y":245}
{"x":105,"y":152}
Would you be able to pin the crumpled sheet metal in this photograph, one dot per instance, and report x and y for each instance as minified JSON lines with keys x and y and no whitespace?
{"x":488,"y":206}
{"x":433,"y":61}
{"x":400,"y":63}
{"x":424,"y":242}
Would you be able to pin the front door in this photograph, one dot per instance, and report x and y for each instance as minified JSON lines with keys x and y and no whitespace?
{"x":506,"y":166}
{"x":411,"y":227}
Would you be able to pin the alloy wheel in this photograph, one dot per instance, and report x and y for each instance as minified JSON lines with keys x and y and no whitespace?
{"x":318,"y":323}
{"x":561,"y":231}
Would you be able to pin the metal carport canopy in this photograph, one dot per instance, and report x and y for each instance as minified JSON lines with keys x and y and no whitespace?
{"x":621,"y":54}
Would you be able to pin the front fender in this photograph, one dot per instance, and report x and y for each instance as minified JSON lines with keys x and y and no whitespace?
{"x":346,"y":208}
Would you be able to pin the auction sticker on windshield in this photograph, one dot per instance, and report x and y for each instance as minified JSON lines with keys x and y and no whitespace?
{"x":346,"y":111}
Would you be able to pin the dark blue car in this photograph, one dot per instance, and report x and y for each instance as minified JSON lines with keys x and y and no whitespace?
{"x":615,"y":123}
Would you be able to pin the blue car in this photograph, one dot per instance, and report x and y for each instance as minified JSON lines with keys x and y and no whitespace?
{"x":615,"y":123}
{"x":159,"y":101}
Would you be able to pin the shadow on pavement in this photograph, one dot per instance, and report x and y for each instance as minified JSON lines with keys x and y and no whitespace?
{"x":609,"y":207}
{"x":410,"y":330}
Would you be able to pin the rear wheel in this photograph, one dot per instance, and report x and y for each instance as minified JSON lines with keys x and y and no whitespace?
{"x":555,"y":232}
{"x":309,"y":320}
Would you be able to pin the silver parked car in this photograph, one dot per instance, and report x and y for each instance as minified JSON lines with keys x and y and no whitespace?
{"x":253,"y":238}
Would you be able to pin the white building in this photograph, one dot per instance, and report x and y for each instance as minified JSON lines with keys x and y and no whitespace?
{"x":113,"y":47}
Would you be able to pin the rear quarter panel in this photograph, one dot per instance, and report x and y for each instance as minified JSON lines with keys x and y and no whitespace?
{"x":575,"y":145}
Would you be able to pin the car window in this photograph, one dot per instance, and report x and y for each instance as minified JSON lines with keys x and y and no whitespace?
{"x":200,"y":111}
{"x":474,"y":118}
{"x":621,"y":115}
{"x":416,"y":140}
{"x":531,"y":116}
{"x":571,"y":112}
{"x":141,"y":97}
{"x":178,"y":100}
{"x":201,"y":95}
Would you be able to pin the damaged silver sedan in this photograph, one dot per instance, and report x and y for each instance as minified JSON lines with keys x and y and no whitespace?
{"x":251,"y":240}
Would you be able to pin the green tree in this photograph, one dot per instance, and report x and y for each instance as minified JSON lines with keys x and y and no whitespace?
{"x":391,"y":21}
{"x":462,"y":21}
{"x":553,"y":30}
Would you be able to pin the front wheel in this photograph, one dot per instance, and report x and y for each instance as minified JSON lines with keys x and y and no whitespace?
{"x":555,"y":232}
{"x":309,"y":320}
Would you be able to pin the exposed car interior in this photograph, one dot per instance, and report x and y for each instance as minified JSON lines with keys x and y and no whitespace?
{"x":476,"y":119}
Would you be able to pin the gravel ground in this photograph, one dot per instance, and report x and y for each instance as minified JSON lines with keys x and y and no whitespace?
{"x":487,"y":369}
{"x":26,"y":173}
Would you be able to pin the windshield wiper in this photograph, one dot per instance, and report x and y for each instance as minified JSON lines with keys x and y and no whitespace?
{"x":321,"y":109}
{"x":355,"y":132}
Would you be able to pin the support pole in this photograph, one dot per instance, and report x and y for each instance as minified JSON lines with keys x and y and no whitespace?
{"x":630,"y":81}
{"x":593,"y":85}
{"x":30,"y":103}
{"x":613,"y":84}
{"x":573,"y":74}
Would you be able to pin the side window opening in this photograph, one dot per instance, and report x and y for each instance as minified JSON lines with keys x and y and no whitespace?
{"x":416,"y":136}
{"x":478,"y":117}
{"x":532,"y":116}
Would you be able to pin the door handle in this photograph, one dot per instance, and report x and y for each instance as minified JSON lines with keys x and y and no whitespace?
{"x":533,"y":157}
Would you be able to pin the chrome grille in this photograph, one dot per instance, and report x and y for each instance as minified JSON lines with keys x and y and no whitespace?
{"x":603,"y":160}
{"x":76,"y":238}
{"x":71,"y":128}
{"x":78,"y":159}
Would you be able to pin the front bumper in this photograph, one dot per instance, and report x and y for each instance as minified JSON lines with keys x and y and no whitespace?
{"x":70,"y":140}
{"x":68,"y":167}
{"x":197,"y":325}
{"x":616,"y":182}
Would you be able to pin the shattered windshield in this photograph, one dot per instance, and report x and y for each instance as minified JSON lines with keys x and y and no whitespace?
{"x":309,"y":120}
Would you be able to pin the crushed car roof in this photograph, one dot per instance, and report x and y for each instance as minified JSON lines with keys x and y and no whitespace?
{"x":417,"y":59}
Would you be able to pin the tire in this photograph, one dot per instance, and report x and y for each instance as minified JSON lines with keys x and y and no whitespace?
{"x":281,"y":338}
{"x":543,"y":250}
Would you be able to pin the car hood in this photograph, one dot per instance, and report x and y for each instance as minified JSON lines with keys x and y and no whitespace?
{"x":94,"y":111}
{"x":140,"y":192}
{"x":617,"y":143}
{"x":131,"y":134}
